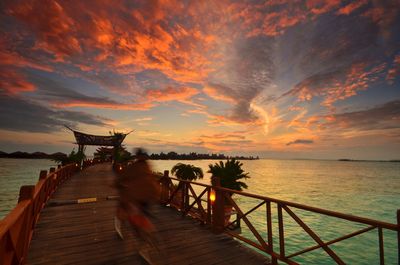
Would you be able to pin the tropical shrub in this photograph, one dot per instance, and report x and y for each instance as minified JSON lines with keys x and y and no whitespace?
{"x":73,"y":157}
{"x":230,"y":174}
{"x":187,"y":172}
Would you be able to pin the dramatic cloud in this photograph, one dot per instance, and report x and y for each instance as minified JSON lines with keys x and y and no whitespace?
{"x":280,"y":71}
{"x":300,"y":141}
{"x":141,"y":35}
{"x":247,"y":72}
{"x":337,"y":85}
{"x":386,"y":116}
{"x":394,"y":71}
{"x":348,"y":9}
{"x":53,"y":26}
{"x":171,"y":93}
{"x":12,"y":82}
{"x":22,"y":115}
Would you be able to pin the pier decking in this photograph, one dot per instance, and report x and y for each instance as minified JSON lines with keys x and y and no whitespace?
{"x":83,"y":233}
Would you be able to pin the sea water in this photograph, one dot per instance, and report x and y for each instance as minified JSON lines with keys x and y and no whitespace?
{"x":15,"y":173}
{"x":365,"y":189}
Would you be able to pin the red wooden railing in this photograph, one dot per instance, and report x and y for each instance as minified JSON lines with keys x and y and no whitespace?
{"x":16,"y":228}
{"x":181,"y":195}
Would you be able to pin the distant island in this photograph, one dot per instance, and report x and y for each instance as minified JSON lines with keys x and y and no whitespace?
{"x":360,"y":160}
{"x":35,"y":155}
{"x":196,"y":156}
{"x":160,"y":156}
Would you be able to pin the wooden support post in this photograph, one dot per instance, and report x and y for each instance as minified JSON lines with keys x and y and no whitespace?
{"x":218,"y":216}
{"x":381,"y":250}
{"x":26,"y":193}
{"x":186,"y":206}
{"x":269,"y":231}
{"x":182,"y":203}
{"x":43,"y":174}
{"x":281,"y":232}
{"x":208,"y":220}
{"x":164,"y":187}
{"x":52,"y":171}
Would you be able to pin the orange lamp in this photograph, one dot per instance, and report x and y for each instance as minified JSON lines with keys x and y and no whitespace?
{"x":212,"y":196}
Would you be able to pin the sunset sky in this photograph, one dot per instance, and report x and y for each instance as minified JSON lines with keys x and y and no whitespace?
{"x":278,"y":79}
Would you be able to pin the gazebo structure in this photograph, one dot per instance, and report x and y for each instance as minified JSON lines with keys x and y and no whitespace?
{"x":83,"y":139}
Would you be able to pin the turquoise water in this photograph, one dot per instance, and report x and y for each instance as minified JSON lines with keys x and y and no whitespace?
{"x":15,"y":173}
{"x":366,"y":189}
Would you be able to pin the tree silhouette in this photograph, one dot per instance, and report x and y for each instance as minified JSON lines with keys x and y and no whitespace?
{"x":230,"y":174}
{"x":187,"y":172}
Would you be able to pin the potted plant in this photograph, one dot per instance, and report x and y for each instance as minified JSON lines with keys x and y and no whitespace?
{"x":185,"y":172}
{"x":231,"y":176}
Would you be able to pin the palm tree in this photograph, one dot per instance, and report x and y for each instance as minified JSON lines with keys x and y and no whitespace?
{"x":73,"y":157}
{"x":187,"y":172}
{"x":230,"y":173}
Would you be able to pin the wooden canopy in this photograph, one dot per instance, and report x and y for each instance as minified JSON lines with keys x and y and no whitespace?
{"x":108,"y":140}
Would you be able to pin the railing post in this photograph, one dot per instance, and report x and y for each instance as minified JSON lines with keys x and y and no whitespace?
{"x":183,"y":203}
{"x":218,"y":217}
{"x":269,"y":231}
{"x":43,"y":174}
{"x":164,"y":187}
{"x":26,"y":193}
{"x":186,"y":196}
{"x":209,"y":206}
{"x":281,"y":233}
{"x":381,"y":249}
{"x":53,"y":183}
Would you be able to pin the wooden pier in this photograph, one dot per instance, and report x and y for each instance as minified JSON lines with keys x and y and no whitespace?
{"x":83,"y":233}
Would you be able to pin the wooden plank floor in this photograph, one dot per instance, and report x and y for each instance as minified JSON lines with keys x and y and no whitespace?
{"x":84,"y":233}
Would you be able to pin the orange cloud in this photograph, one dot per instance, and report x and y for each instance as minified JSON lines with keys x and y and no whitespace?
{"x":90,"y":104}
{"x":319,"y":7}
{"x":13,"y":82}
{"x":121,"y":37}
{"x":271,"y":19}
{"x":332,"y":87}
{"x":224,"y":141}
{"x":13,"y":59}
{"x":348,"y":9}
{"x":215,"y":94}
{"x":48,"y":19}
{"x":171,"y":94}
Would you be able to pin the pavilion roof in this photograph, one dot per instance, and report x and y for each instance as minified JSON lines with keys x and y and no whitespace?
{"x":109,"y":140}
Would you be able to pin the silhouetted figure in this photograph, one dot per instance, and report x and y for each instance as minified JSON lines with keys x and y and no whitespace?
{"x":137,"y":188}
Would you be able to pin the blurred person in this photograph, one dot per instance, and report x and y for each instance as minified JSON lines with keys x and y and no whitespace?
{"x":138,"y":189}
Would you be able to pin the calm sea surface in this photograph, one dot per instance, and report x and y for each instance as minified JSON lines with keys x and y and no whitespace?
{"x":366,"y":189}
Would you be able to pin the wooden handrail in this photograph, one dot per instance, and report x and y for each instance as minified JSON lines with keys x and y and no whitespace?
{"x":348,"y":217}
{"x":16,"y":228}
{"x":223,"y":194}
